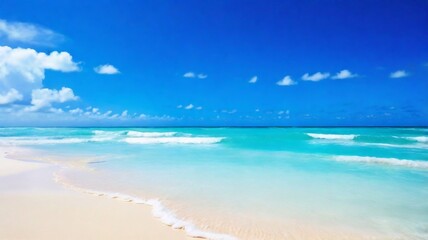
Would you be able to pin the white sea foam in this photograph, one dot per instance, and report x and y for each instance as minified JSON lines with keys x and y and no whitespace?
{"x":173,"y":140}
{"x":101,"y":136}
{"x":150,"y":134}
{"x":159,"y":211}
{"x":386,"y":161}
{"x":423,"y":139}
{"x":385,"y":145}
{"x":332,"y":136}
{"x":41,"y":141}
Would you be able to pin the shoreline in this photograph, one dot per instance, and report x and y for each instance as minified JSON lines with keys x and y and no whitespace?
{"x":34,"y":206}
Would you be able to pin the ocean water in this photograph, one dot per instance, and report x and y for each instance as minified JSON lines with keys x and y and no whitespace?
{"x":253,"y":183}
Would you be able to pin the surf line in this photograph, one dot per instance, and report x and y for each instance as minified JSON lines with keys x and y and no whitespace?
{"x":159,"y":211}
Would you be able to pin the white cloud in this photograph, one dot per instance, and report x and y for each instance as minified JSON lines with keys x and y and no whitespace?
{"x":202,"y":76}
{"x":28,"y":33}
{"x":124,"y":113}
{"x":43,"y":98}
{"x":344,"y":74}
{"x":199,"y":108}
{"x":315,"y":77}
{"x":106,"y":69}
{"x":106,"y":114}
{"x":76,"y":111}
{"x":180,"y":106}
{"x":253,"y":79}
{"x":189,"y":75}
{"x":194,"y":75}
{"x":11,"y":96}
{"x":188,"y":107}
{"x":286,"y":81}
{"x":399,"y":74}
{"x":24,"y":69}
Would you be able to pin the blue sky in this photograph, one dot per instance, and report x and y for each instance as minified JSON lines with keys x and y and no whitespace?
{"x":169,"y":63}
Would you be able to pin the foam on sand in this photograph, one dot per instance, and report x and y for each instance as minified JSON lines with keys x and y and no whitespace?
{"x":150,"y":134}
{"x":332,"y":136}
{"x":159,"y":211}
{"x":385,"y":161}
{"x":173,"y":140}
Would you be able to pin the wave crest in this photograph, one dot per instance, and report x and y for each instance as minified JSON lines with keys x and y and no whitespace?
{"x":423,"y":139}
{"x":173,"y":140}
{"x":150,"y":134}
{"x":41,"y":141}
{"x":386,"y":161}
{"x":332,"y":136}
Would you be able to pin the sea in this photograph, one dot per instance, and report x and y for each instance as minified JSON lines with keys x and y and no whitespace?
{"x":250,"y":183}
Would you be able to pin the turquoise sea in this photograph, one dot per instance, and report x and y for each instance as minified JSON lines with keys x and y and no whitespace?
{"x":254,"y":183}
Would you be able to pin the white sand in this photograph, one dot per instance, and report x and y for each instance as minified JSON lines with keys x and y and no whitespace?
{"x":33,"y":206}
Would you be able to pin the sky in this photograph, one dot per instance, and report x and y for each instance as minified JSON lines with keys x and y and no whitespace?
{"x":214,"y":63}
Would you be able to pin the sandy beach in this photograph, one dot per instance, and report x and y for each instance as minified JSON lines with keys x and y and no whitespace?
{"x":34,"y":206}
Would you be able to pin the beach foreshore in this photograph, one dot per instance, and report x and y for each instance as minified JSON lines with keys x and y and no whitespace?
{"x":34,"y":206}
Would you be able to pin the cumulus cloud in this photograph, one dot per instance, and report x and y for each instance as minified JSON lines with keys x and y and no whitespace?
{"x":76,"y":111}
{"x":286,"y":81}
{"x":344,"y":74}
{"x":202,"y":76}
{"x":11,"y":96}
{"x":188,"y":107}
{"x":28,"y":33}
{"x":399,"y":74}
{"x":43,"y":98}
{"x":198,"y":108}
{"x":253,"y":79}
{"x":189,"y":75}
{"x":124,"y":113}
{"x":106,"y":69}
{"x":194,"y":75}
{"x":24,"y":69}
{"x":315,"y":77}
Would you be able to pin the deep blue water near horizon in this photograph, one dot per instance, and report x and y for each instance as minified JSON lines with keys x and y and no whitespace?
{"x":260,"y":183}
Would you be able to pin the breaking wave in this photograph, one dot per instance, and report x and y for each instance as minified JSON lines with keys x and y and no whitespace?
{"x":332,"y":136}
{"x":150,"y":134}
{"x":41,"y":141}
{"x":101,"y":136}
{"x":422,"y":139}
{"x":173,"y":140}
{"x":386,"y":161}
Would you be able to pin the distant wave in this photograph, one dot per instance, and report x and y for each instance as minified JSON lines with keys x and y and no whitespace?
{"x":150,"y":134}
{"x":52,"y":140}
{"x":101,"y":136}
{"x":423,"y":139}
{"x":384,"y":145}
{"x":386,"y":161}
{"x":332,"y":136}
{"x":176,"y":140}
{"x":158,"y":210}
{"x":42,"y":141}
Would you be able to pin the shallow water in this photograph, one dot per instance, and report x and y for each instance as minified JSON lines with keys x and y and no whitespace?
{"x":259,"y":183}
